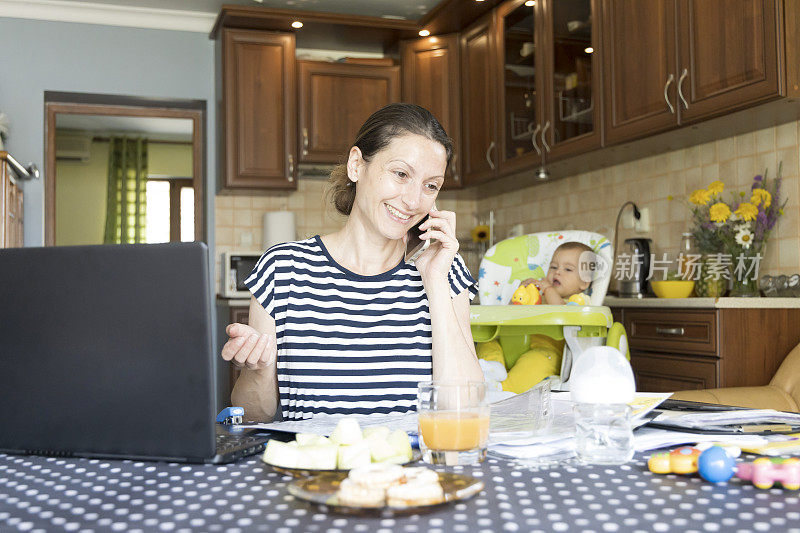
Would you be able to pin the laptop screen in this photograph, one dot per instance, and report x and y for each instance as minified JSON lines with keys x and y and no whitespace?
{"x":107,"y":351}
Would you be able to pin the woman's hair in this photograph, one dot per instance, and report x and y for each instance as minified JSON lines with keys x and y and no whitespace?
{"x":375,"y":134}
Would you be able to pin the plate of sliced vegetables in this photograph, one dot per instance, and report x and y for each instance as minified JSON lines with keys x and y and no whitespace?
{"x":347,"y":447}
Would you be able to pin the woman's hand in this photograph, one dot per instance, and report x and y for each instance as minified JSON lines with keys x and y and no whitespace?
{"x":436,"y":260}
{"x":247,"y":348}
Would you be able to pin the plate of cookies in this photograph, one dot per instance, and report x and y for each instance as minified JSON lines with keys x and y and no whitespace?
{"x":385,"y":489}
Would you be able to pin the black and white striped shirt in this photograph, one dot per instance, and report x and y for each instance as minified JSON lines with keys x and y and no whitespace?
{"x":347,"y":343}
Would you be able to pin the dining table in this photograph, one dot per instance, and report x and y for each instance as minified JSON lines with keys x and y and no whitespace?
{"x":47,"y":494}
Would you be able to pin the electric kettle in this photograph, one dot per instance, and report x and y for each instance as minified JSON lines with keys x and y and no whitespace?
{"x":635,"y":286}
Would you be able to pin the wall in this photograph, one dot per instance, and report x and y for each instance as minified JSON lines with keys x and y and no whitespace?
{"x":239,"y":218}
{"x":81,"y":192}
{"x":592,"y":200}
{"x":82,"y":187}
{"x":40,"y":55}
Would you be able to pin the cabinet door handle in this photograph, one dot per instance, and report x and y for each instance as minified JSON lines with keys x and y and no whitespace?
{"x":680,"y":87}
{"x":290,"y":177}
{"x":305,"y":141}
{"x":670,"y":331}
{"x":544,"y":142}
{"x":533,"y":139}
{"x":489,"y":155}
{"x":670,"y":79}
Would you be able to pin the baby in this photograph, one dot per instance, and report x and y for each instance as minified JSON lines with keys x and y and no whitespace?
{"x":562,"y":285}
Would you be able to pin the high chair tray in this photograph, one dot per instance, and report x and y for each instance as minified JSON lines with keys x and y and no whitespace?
{"x":540,"y":315}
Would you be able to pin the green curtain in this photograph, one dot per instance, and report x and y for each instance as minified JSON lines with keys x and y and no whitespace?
{"x":126,"y":211}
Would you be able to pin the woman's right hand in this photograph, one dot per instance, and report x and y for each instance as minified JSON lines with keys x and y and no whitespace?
{"x":248,"y":348}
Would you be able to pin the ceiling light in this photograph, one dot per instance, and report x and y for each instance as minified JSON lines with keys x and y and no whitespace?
{"x":588,"y":49}
{"x":530,"y":3}
{"x":424,"y":33}
{"x":297,"y":24}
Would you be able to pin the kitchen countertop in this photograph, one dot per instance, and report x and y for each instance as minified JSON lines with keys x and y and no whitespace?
{"x":696,"y":303}
{"x":705,"y":303}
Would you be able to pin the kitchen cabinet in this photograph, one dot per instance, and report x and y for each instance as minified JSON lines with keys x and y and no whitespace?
{"x":479,"y":106}
{"x":258,"y":109}
{"x":694,"y":348}
{"x":541,"y":97}
{"x":728,"y":55}
{"x":681,"y":61}
{"x":430,"y":67}
{"x":11,"y":221}
{"x":501,"y":94}
{"x":571,"y":61}
{"x":334,"y":101}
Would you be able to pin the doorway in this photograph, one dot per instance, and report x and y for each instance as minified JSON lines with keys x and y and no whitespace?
{"x":160,"y":145}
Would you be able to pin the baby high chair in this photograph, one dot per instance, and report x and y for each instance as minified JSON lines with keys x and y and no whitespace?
{"x":502,"y":270}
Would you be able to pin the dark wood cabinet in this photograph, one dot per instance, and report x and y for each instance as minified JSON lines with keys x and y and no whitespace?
{"x":11,"y":217}
{"x":518,"y":61}
{"x":479,"y":109}
{"x":571,"y":61}
{"x":639,"y":68}
{"x":680,"y":61}
{"x":430,"y":68}
{"x":682,"y":349}
{"x":335,"y":99}
{"x":258,"y":109}
{"x":728,"y":55}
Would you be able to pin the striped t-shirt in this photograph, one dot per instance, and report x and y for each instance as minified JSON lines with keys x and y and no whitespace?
{"x":347,"y":343}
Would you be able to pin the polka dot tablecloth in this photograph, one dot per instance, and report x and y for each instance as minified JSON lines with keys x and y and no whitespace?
{"x":54,"y":494}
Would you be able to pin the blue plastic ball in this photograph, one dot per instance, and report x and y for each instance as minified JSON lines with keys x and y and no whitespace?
{"x":715,"y":465}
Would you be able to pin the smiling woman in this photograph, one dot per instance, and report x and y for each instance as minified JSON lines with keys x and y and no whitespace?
{"x":342,"y":324}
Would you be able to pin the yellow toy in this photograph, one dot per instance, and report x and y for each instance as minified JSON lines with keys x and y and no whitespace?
{"x":578,"y":299}
{"x":526,"y":295}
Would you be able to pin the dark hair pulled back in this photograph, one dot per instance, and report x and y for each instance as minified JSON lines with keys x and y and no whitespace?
{"x":375,"y":134}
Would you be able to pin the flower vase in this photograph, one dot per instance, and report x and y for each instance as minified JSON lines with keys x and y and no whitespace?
{"x":712,"y":278}
{"x":744,"y":276}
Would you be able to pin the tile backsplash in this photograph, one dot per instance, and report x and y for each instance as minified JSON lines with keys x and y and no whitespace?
{"x":589,"y":201}
{"x":663,"y":183}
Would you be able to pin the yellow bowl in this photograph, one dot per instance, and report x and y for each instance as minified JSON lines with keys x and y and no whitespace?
{"x":672,"y":288}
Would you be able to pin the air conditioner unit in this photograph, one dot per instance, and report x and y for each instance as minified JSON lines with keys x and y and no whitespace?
{"x":73,"y":146}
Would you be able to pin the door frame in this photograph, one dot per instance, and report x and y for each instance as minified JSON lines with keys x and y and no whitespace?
{"x":129,"y":106}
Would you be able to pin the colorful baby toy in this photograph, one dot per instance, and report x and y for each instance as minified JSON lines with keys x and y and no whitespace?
{"x":714,"y":464}
{"x":526,"y":295}
{"x":680,"y":461}
{"x":764,"y":472}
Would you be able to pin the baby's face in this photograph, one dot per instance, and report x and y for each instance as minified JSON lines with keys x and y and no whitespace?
{"x":563,"y":273}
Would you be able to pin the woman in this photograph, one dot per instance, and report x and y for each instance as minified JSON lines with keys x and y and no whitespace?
{"x":341,"y":324}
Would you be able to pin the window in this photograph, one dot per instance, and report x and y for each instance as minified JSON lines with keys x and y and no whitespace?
{"x":170,"y":210}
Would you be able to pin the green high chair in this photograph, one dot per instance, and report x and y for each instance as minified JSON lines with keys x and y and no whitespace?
{"x":509,"y":262}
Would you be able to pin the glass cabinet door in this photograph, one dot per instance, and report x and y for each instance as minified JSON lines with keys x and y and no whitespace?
{"x":573,"y":98}
{"x":520,"y":105}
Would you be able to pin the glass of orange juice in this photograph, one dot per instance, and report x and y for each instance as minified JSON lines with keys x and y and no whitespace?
{"x":453,"y":421}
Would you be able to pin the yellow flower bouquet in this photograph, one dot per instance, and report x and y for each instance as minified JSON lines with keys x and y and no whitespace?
{"x":737,"y":228}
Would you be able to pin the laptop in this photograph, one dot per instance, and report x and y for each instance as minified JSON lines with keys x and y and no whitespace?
{"x":109,"y":351}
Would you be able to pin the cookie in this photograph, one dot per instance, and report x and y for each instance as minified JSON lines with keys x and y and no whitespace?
{"x":415,"y":493}
{"x":377,"y":475}
{"x":420,"y":474}
{"x":353,"y":494}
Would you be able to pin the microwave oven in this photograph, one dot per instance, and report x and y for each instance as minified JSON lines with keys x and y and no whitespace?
{"x":236,"y":267}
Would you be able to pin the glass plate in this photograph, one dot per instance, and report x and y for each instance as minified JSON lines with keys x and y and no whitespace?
{"x":322,"y":490}
{"x":305,"y":472}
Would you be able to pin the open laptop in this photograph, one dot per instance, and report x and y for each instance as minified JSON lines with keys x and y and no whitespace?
{"x":109,"y":351}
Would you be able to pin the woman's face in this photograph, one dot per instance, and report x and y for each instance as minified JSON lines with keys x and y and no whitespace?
{"x":399,"y":185}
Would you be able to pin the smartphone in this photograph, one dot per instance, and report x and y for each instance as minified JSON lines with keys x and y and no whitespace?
{"x":414,"y":244}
